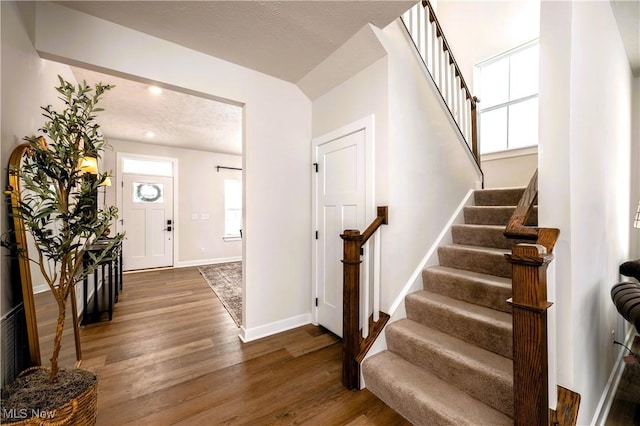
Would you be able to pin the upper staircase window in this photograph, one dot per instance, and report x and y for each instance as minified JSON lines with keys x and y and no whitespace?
{"x":508,"y":108}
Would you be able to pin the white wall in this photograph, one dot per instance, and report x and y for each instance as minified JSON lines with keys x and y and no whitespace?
{"x":200,"y":191}
{"x":634,"y":159}
{"x":585,"y":140}
{"x":276,"y":169}
{"x":416,"y":150}
{"x":28,"y":83}
{"x":479,"y":30}
{"x":508,"y":169}
{"x":364,"y":94}
{"x":423,"y":151}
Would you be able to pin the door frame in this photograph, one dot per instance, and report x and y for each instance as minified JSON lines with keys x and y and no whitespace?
{"x":120,"y":156}
{"x":368,"y":125}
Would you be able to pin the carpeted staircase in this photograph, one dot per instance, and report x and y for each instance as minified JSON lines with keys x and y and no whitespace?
{"x":449,"y":361}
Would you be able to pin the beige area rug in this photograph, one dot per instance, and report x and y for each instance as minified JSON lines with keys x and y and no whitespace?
{"x":225,"y":279}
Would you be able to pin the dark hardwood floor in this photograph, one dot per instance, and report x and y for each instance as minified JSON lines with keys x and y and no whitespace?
{"x":625,"y":410}
{"x":171,"y":355}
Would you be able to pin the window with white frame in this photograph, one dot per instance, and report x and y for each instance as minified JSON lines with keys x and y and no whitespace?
{"x":508,"y":108}
{"x":145,"y":166}
{"x":232,"y":208}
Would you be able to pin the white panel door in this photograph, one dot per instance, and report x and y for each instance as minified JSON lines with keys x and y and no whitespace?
{"x":340,"y":205}
{"x":147,"y":221}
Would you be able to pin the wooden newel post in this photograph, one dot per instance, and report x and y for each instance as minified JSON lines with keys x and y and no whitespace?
{"x":530,"y":361}
{"x":352,"y":241}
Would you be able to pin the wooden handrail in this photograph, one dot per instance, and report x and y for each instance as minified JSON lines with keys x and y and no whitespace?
{"x":354,"y":346}
{"x":381,"y":219}
{"x":529,"y":305}
{"x":516,"y":227}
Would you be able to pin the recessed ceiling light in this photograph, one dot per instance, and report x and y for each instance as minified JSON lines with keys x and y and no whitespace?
{"x":149,"y":134}
{"x":155,"y":90}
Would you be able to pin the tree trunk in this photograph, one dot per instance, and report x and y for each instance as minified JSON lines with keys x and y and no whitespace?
{"x":57,"y":341}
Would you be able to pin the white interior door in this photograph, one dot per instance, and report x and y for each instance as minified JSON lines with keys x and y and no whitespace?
{"x":340,"y":205}
{"x":147,"y":221}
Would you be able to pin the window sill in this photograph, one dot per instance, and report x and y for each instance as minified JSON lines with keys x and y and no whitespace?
{"x":509,"y":153}
{"x":229,"y":239}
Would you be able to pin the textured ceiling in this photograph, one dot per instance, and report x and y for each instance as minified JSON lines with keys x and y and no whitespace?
{"x":176,"y":119}
{"x":285,"y":39}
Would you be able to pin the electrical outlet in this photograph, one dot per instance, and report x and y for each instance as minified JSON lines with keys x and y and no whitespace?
{"x":201,"y":249}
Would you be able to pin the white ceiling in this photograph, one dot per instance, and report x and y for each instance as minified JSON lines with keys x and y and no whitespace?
{"x":174,"y":118}
{"x":285,"y":39}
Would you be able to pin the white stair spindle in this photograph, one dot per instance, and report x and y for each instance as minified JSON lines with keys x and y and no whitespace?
{"x":431,"y":43}
{"x":421,"y":33}
{"x":376,"y":276}
{"x":364,"y":291}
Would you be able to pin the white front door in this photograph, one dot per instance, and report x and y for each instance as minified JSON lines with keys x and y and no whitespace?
{"x":340,"y":205}
{"x":147,"y":221}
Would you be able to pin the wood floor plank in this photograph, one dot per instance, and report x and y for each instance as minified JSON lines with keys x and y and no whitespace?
{"x":172,"y":356}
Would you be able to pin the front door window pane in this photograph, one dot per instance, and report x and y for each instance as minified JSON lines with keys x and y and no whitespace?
{"x":144,"y":192}
{"x":147,"y":167}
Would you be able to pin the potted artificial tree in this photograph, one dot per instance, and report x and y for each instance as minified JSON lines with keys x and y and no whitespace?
{"x":59,"y":209}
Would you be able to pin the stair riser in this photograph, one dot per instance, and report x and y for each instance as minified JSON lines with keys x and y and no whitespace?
{"x":483,"y":262}
{"x":489,"y":335}
{"x":467,"y":290}
{"x":495,"y":391}
{"x":483,"y":237}
{"x":483,"y":215}
{"x":498,"y":197}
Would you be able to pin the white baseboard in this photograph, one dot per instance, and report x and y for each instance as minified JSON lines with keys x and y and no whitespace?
{"x":200,"y":262}
{"x":41,"y":288}
{"x":255,"y":333}
{"x":609,"y":392}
